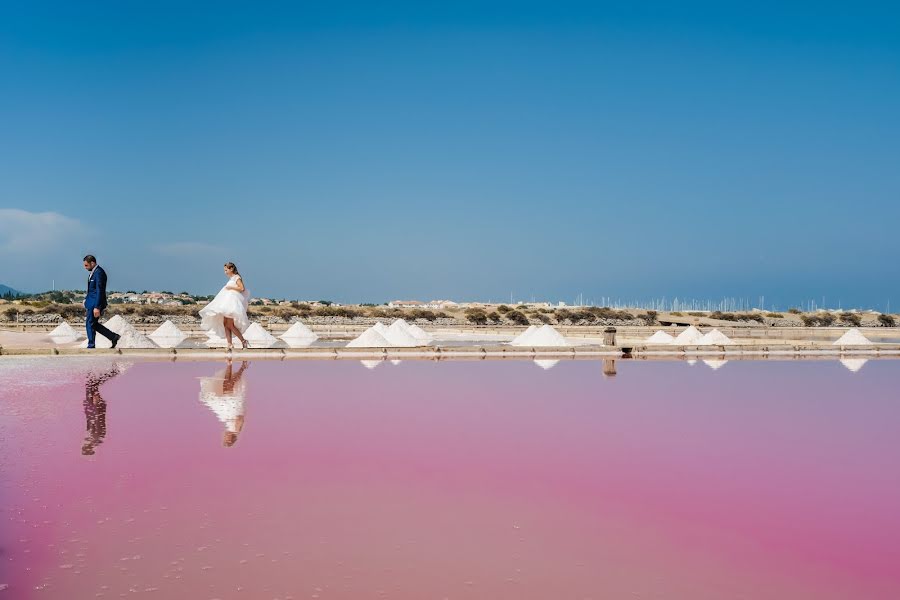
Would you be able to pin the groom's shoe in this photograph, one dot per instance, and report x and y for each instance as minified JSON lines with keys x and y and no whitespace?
{"x":115,"y":340}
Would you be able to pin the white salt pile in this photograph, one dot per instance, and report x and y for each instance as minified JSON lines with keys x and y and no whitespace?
{"x":688,"y":337}
{"x":420,"y":334}
{"x":544,"y":336}
{"x":130,"y":337}
{"x":714,"y":338}
{"x":168,"y":335}
{"x":299,"y":331}
{"x":258,"y":337}
{"x":117,"y":324}
{"x":660,"y":337}
{"x":399,"y":336}
{"x":715,"y":364}
{"x":545,"y":364}
{"x":370,"y":338}
{"x":64,"y":334}
{"x":522,"y":338}
{"x":853,"y":364}
{"x":852,"y":338}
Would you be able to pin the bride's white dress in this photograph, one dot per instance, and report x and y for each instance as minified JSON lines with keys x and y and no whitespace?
{"x":227,"y":303}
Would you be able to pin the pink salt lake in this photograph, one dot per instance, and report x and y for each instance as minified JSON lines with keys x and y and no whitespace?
{"x":491,"y":479}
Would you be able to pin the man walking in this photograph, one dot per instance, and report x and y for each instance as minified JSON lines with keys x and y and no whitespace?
{"x":95,"y":303}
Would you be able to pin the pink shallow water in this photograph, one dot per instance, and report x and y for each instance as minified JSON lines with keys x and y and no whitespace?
{"x":453,"y":480}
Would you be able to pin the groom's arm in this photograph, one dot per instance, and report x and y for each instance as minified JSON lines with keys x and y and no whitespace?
{"x":101,"y":283}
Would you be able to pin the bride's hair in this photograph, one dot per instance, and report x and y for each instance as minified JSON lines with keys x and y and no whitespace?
{"x":231,"y":267}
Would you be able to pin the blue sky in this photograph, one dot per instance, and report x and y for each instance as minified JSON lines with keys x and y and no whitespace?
{"x":365,"y":152}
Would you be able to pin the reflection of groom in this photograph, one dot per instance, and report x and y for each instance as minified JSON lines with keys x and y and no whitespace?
{"x":95,"y":302}
{"x":95,"y":410}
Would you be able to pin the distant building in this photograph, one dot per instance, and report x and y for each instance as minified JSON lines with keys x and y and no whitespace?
{"x":406,"y":304}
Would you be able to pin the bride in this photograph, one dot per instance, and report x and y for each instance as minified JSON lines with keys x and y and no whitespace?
{"x":227,"y":313}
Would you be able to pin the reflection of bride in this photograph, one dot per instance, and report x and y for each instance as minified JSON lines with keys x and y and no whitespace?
{"x":224,"y":393}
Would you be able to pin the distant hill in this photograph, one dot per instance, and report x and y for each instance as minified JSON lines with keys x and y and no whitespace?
{"x":5,"y":291}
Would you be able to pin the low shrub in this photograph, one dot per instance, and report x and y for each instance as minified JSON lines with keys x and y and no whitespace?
{"x":774,"y":315}
{"x":476,"y":316}
{"x":494,"y":317}
{"x":650,"y":317}
{"x":516,"y":317}
{"x":851,"y":319}
{"x":822,"y":320}
{"x":503,"y":309}
{"x":676,"y":314}
{"x":540,"y":316}
{"x":795,"y":311}
{"x":887,"y":321}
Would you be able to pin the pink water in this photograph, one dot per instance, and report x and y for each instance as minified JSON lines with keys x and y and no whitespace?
{"x":452,"y":480}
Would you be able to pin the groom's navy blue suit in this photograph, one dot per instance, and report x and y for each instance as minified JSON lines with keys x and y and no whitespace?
{"x":96,"y":298}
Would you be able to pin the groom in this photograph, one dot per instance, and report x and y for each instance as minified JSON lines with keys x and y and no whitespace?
{"x":95,"y":303}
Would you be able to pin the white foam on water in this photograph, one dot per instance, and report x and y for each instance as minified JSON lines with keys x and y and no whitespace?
{"x":853,"y":338}
{"x":714,"y":338}
{"x":688,"y":337}
{"x":370,"y":338}
{"x":854,"y":364}
{"x":299,"y":331}
{"x":660,"y":337}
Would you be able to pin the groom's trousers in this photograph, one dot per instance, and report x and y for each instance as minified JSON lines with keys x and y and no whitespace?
{"x":93,"y":326}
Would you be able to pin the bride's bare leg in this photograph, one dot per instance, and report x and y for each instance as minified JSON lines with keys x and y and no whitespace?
{"x":229,"y":324}
{"x":236,"y":331}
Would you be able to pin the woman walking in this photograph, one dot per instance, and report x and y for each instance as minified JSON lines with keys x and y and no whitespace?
{"x":226,"y":315}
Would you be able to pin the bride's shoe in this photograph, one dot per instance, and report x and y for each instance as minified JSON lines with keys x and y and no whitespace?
{"x":245,"y":344}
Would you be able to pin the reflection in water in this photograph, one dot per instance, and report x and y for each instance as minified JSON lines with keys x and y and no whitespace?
{"x":609,"y":367}
{"x":715,"y":364}
{"x":224,"y":394}
{"x":545,"y":364}
{"x":853,"y":364}
{"x":95,"y":409}
{"x":371,"y":364}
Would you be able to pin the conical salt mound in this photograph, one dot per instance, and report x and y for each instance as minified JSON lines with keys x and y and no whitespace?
{"x":64,"y":333}
{"x":168,"y":335}
{"x":715,"y":338}
{"x":547,"y":336}
{"x":299,"y":331}
{"x":258,"y":337}
{"x":118,"y":324}
{"x":660,"y":337}
{"x":399,"y":336}
{"x":853,"y":338}
{"x":129,"y":336}
{"x":420,"y":334}
{"x":522,"y":338}
{"x":853,"y":364}
{"x":688,"y":337}
{"x":370,"y":338}
{"x":545,"y":364}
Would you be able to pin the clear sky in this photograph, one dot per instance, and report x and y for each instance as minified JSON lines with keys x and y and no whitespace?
{"x":371,"y":151}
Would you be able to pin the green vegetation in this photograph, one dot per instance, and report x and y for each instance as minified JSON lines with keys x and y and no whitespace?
{"x":887,"y":321}
{"x":738,"y":317}
{"x":822,"y":320}
{"x":503,"y":309}
{"x":795,"y":311}
{"x":851,"y":319}
{"x":516,"y":317}
{"x":774,"y":315}
{"x":494,"y":317}
{"x":476,"y":316}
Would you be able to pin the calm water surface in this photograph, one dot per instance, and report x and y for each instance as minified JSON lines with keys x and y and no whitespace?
{"x":492,"y":479}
